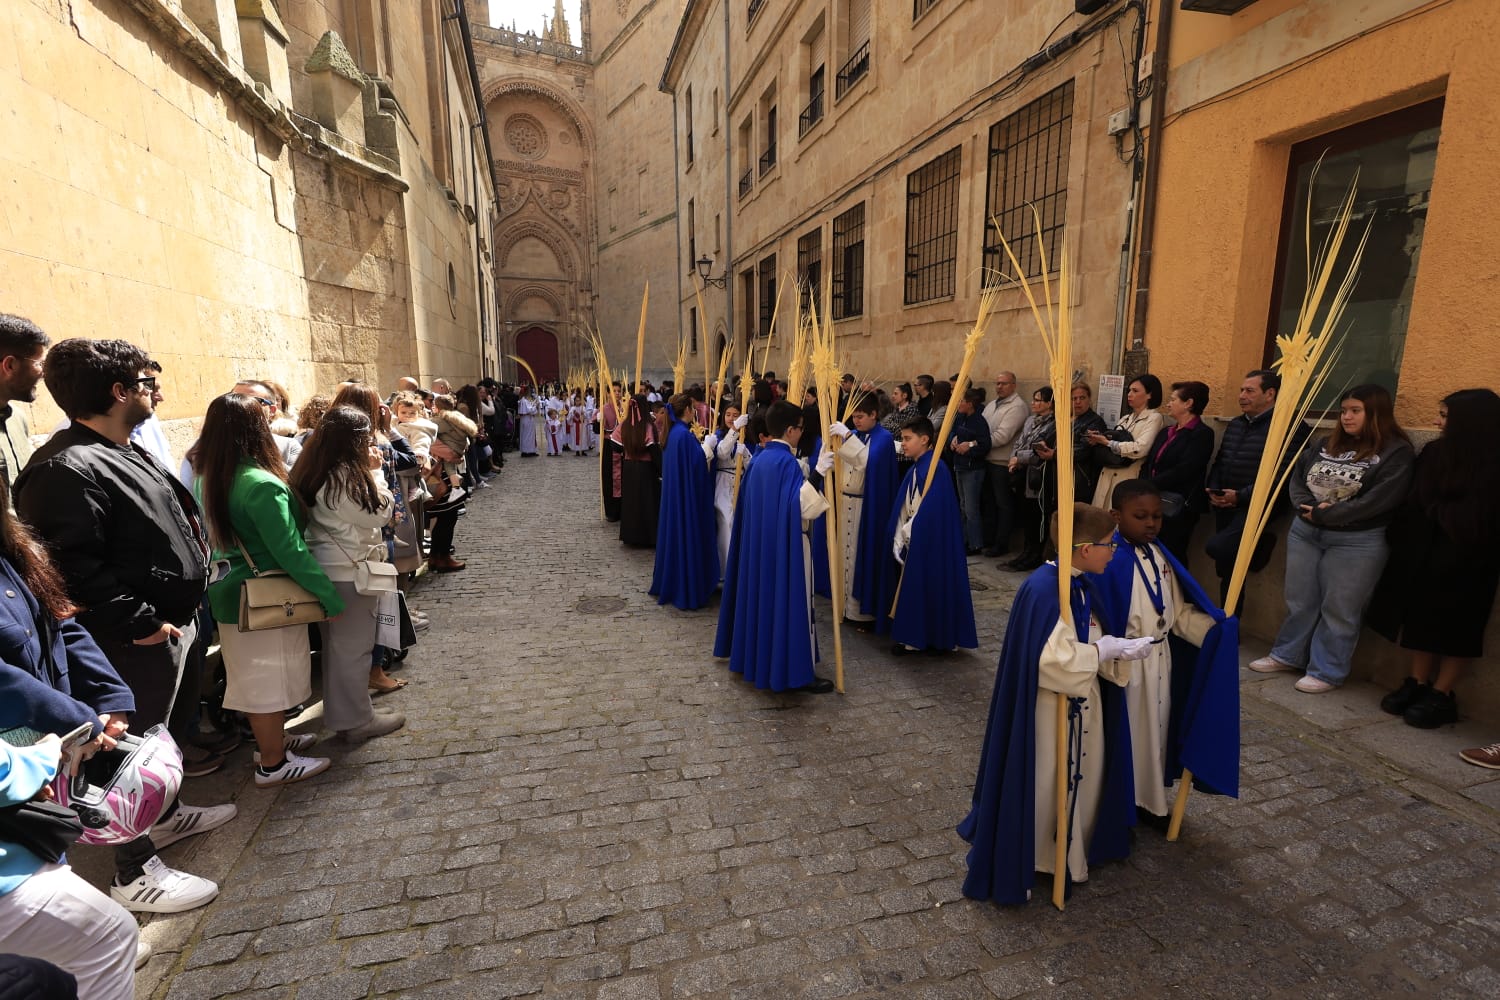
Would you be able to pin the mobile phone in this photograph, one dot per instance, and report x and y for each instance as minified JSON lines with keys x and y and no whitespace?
{"x":79,"y":735}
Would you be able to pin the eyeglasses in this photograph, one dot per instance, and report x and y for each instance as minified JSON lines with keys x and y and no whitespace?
{"x":1103,"y":545}
{"x":148,"y":383}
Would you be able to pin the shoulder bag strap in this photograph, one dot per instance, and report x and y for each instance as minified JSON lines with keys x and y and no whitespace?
{"x":254,"y":570}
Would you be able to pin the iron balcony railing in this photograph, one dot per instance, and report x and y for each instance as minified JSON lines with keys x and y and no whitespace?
{"x":811,"y":115}
{"x":853,"y":70}
{"x":747,"y":181}
{"x":768,"y":159}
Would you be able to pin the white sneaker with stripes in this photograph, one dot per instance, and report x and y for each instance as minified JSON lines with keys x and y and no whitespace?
{"x":293,"y":768}
{"x":190,"y":820}
{"x":295,"y":743}
{"x":163,"y":890}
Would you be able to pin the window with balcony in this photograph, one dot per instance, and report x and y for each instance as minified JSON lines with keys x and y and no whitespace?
{"x":920,"y":7}
{"x":932,"y":228}
{"x":768,"y":154}
{"x":856,"y":47}
{"x":849,"y":263}
{"x":813,"y":113}
{"x":688,"y":124}
{"x":692,"y":235}
{"x":693,"y":329}
{"x":753,"y":9}
{"x":1028,"y":169}
{"x":747,"y":155}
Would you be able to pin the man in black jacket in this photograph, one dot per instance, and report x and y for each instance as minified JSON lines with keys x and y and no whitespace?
{"x":130,"y":544}
{"x":1232,"y":477}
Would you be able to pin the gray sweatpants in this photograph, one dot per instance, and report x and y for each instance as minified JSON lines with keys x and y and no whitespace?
{"x":348,"y":644}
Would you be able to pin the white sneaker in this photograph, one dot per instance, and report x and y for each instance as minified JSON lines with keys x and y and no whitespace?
{"x":1312,"y":685}
{"x":142,"y":955}
{"x":295,"y":743}
{"x":189,"y":820}
{"x":1270,"y":665}
{"x":292,"y":769}
{"x":163,"y":890}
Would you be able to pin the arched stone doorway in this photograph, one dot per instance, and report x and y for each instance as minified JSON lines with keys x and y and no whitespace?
{"x":539,"y":347}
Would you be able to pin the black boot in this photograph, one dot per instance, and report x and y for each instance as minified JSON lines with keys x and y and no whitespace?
{"x":1399,"y":700}
{"x":1432,"y":709}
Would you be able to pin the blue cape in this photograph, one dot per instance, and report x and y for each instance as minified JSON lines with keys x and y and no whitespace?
{"x":1203,"y":730}
{"x":936,"y":610}
{"x":817,"y":535}
{"x":763,"y":615}
{"x":874,"y":545}
{"x":687,"y":550}
{"x":1001,"y":825}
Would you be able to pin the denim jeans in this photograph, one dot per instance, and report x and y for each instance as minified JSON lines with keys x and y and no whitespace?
{"x":1329,"y":578}
{"x":970,"y":489}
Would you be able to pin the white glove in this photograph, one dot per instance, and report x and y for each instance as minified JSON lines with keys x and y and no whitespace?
{"x":1115,"y":648}
{"x":837,"y":427}
{"x":825,"y":461}
{"x":710,"y":446}
{"x":901,"y":542}
{"x":741,"y":420}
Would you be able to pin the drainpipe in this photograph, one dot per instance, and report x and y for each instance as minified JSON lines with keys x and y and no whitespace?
{"x":726,"y":253}
{"x":1145,"y":244}
{"x":677,"y":213}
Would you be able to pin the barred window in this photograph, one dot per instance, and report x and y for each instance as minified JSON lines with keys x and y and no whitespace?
{"x":920,"y":7}
{"x":693,"y":328}
{"x":1028,"y":167}
{"x":767,"y":293}
{"x":932,"y":228}
{"x":849,"y":263}
{"x":810,"y":267}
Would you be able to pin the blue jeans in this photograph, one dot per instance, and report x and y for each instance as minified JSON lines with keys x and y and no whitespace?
{"x":1329,"y":578}
{"x":970,"y":489}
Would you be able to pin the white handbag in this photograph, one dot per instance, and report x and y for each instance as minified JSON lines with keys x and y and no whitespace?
{"x":372,"y":577}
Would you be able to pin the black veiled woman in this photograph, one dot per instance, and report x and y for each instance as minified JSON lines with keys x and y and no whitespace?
{"x":640,"y":476}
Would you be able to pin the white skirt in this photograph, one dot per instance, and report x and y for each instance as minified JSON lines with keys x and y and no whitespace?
{"x":267,"y":671}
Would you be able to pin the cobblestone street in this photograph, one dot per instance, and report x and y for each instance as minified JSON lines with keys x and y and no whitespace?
{"x":585,"y":804}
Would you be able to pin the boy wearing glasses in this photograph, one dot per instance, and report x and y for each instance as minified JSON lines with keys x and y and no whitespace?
{"x":1146,"y":593}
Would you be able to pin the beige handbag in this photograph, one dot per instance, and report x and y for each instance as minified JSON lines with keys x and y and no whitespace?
{"x":272,"y":599}
{"x":372,"y":577}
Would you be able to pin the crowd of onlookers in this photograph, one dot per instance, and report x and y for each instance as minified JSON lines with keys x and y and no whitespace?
{"x":120,"y":566}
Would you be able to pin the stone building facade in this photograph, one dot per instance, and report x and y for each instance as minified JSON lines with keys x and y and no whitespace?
{"x":289,"y":190}
{"x":587,"y":216}
{"x":867,"y":147}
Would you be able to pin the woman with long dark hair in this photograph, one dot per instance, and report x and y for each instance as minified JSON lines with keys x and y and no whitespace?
{"x":339,"y":478}
{"x":640,"y":475}
{"x":1345,"y":489}
{"x":1438,"y":589}
{"x":251,"y":512}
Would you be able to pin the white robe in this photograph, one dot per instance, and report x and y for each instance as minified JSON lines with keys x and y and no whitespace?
{"x":720,"y":455}
{"x":1148,"y":697}
{"x":554,"y":426}
{"x":1073,"y":668}
{"x":854,"y":454}
{"x":529,"y":432}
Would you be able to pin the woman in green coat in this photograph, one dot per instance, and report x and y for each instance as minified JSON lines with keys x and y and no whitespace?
{"x":251,"y":510}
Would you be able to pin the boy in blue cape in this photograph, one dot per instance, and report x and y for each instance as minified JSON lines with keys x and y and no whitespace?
{"x":1012,"y":823}
{"x":1184,"y":698}
{"x":687,"y":555}
{"x":765,"y":616}
{"x":925,"y":535}
{"x":869,"y":493}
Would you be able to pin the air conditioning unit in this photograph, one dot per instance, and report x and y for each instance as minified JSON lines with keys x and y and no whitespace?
{"x":1216,"y":6}
{"x":1090,"y":6}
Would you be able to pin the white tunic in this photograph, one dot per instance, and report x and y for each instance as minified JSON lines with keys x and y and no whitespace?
{"x":1148,"y":697}
{"x":1073,"y":668}
{"x":720,"y":455}
{"x":854,"y":454}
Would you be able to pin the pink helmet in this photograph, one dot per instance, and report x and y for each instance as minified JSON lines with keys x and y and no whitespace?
{"x":119,"y":794}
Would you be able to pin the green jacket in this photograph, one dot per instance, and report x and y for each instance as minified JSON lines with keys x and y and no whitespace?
{"x":268,"y":521}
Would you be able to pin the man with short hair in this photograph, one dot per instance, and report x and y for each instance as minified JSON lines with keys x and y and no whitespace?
{"x":1232,"y":477}
{"x":22,"y":347}
{"x":1005,"y":414}
{"x":130,"y":544}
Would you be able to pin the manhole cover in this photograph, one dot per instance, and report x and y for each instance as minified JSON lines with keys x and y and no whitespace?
{"x":976,"y":586}
{"x":600,"y":605}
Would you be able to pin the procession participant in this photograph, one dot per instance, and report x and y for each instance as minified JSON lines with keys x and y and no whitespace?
{"x":687,"y":558}
{"x":555,"y":409}
{"x":577,"y":427}
{"x":925,"y":537}
{"x":1147,"y":593}
{"x":720,"y":448}
{"x":1012,"y":820}
{"x":765,"y":617}
{"x":808,"y":449}
{"x":609,"y":469}
{"x":869,"y":492}
{"x":591,"y":421}
{"x":528,"y":413}
{"x":640,"y":476}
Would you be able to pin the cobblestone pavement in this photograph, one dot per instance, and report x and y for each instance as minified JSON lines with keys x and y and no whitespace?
{"x":584,"y":804}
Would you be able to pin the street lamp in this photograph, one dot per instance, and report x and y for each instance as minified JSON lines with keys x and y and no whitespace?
{"x":705,"y":265}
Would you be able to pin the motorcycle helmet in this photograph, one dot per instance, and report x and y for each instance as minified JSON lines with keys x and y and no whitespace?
{"x":119,"y":794}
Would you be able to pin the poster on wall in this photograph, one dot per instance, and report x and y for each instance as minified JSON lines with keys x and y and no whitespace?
{"x":1110,"y":398}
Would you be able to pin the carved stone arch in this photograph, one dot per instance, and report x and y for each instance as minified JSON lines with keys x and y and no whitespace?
{"x":535,"y":291}
{"x":495,"y":89}
{"x":511,"y":234}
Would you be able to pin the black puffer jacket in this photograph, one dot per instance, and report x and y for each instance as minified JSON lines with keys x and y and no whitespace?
{"x":1238,"y":460}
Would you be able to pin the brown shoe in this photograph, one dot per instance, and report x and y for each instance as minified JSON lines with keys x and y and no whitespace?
{"x":444,"y":564}
{"x":1483,"y":756}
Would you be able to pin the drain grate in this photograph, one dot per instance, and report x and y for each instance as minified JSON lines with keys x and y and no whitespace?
{"x":599,"y":605}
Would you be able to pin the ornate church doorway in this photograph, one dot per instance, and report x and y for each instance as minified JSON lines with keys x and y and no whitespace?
{"x":539,"y":347}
